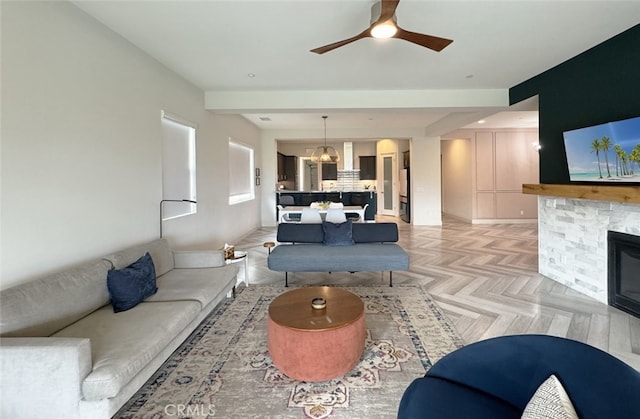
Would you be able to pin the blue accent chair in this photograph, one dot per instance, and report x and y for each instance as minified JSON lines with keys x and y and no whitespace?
{"x":496,"y":378}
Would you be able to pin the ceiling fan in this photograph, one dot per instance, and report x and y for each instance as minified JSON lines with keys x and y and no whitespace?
{"x":383,"y":25}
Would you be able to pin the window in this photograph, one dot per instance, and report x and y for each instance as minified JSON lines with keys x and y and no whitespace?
{"x":241,"y":166}
{"x":178,"y":166}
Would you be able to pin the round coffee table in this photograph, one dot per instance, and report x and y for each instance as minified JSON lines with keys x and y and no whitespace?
{"x":310,"y":344}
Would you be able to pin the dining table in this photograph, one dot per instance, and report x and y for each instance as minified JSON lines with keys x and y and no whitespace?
{"x":285,"y":212}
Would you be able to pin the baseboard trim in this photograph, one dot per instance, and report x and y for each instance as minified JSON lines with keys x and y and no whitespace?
{"x":505,"y":221}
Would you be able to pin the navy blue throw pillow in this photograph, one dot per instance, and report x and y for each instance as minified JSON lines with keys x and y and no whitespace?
{"x":131,"y":285}
{"x":337,"y":234}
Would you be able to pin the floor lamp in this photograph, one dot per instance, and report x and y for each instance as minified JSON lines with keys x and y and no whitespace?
{"x":171,"y":200}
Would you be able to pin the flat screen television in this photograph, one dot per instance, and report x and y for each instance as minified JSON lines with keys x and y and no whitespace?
{"x":607,"y":152}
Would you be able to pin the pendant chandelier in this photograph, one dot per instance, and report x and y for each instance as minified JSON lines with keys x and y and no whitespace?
{"x":325,"y":153}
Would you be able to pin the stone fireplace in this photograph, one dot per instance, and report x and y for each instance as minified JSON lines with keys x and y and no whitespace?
{"x":572,"y":240}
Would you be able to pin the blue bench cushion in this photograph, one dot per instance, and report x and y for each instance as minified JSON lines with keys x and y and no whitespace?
{"x":300,"y":233}
{"x":375,"y":232}
{"x":313,"y":233}
{"x":320,"y":258}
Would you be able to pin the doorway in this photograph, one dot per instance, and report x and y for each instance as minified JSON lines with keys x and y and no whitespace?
{"x":308,"y":175}
{"x":389,"y":170}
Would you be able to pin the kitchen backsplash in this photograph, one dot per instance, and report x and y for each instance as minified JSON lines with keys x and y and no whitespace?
{"x":348,"y":180}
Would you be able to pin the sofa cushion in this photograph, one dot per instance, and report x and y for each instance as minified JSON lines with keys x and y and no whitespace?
{"x":375,"y":232}
{"x":313,"y":233}
{"x":202,"y":284}
{"x":300,"y":233}
{"x":550,"y":401}
{"x":131,"y":285}
{"x":46,"y":305}
{"x":198,"y":258}
{"x":320,"y":258}
{"x":337,"y":234}
{"x":123,"y":343}
{"x":158,"y":249}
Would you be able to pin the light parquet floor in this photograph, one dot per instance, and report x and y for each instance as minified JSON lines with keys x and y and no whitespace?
{"x":485,"y":278}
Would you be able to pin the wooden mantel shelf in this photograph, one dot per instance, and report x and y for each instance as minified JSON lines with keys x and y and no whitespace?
{"x":611,"y":193}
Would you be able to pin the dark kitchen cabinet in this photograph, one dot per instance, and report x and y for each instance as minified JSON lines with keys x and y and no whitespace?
{"x":367,"y":167}
{"x":290,"y":167}
{"x":329,"y":171}
{"x":286,"y":168}
{"x":281,"y":169}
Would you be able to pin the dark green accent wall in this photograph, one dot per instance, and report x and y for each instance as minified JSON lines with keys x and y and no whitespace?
{"x":597,"y":86}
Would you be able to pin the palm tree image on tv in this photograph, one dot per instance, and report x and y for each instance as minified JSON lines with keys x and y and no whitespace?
{"x":604,"y":153}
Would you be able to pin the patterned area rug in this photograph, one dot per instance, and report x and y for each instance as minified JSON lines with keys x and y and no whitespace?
{"x":224,"y":370}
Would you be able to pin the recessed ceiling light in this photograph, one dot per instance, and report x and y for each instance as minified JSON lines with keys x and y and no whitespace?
{"x":481,"y":121}
{"x":251,"y":75}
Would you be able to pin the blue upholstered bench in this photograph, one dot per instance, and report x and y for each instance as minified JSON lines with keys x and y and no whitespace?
{"x":496,"y":378}
{"x":301,"y":249}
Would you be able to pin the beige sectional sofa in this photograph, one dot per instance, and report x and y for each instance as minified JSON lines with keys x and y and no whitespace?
{"x":64,"y":351}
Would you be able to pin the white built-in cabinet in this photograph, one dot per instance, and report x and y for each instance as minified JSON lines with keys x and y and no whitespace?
{"x":499,"y":163}
{"x":504,"y":160}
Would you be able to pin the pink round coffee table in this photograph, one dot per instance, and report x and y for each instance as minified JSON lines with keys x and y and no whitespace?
{"x":311,"y":344}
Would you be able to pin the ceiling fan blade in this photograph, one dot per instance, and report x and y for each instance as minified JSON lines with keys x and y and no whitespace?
{"x":321,"y":50}
{"x":428,"y":41}
{"x":388,"y":9}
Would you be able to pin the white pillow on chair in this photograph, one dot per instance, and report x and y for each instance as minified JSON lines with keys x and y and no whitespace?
{"x":550,"y":401}
{"x":310,"y":216}
{"x":335,"y":215}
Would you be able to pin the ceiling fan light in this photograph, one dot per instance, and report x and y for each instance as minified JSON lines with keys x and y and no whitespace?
{"x":384,"y":30}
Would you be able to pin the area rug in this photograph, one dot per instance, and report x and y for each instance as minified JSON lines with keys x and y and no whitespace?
{"x":224,"y":370}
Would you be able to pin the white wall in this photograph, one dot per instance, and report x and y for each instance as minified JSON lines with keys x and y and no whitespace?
{"x":81,"y":145}
{"x":426,"y":198}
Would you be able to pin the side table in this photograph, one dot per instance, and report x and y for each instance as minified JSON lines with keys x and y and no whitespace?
{"x":239,"y":256}
{"x":320,"y":343}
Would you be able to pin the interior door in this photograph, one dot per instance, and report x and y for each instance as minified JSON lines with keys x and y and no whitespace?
{"x":389,"y":170}
{"x":309,"y":178}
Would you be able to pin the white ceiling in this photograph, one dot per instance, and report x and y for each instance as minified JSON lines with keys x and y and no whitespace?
{"x":218,"y":44}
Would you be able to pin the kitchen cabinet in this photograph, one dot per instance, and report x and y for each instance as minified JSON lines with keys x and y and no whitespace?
{"x":329,"y":171}
{"x":367,"y":167}
{"x":286,"y":168}
{"x":281,"y":170}
{"x":290,"y":167}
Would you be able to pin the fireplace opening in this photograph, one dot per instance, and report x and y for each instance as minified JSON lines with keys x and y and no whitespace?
{"x":624,"y":271}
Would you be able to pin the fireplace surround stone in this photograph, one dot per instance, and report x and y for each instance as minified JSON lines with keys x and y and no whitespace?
{"x":572,"y":240}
